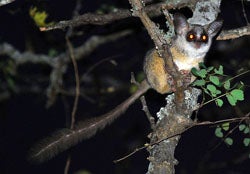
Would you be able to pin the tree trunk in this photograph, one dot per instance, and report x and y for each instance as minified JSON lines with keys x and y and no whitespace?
{"x":172,"y":121}
{"x":170,"y":124}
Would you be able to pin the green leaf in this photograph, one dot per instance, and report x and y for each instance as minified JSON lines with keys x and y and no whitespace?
{"x":242,"y":127}
{"x":225,"y":126}
{"x":246,"y":141}
{"x":219,"y":102}
{"x":213,"y":90}
{"x":194,"y":71}
{"x":209,"y":69}
{"x":218,"y":132}
{"x":218,"y":92}
{"x":39,"y":17}
{"x":219,"y":71}
{"x":202,"y":73}
{"x":227,"y":85}
{"x":133,"y":88}
{"x":231,"y":99}
{"x":199,"y":73}
{"x":237,"y":94}
{"x":199,"y":82}
{"x":215,"y":80}
{"x":229,"y":141}
{"x":246,"y":130}
{"x":140,"y":76}
{"x":202,"y":65}
{"x":206,"y":91}
{"x":234,"y":95}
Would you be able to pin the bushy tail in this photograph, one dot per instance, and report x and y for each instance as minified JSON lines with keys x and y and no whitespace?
{"x":66,"y":138}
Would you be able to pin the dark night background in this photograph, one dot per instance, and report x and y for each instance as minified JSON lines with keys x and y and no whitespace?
{"x":24,"y":118}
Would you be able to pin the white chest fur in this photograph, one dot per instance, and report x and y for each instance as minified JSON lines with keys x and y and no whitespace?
{"x":188,"y":64}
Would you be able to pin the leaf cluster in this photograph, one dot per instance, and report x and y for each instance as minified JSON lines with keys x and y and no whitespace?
{"x":39,"y":17}
{"x":223,"y":130}
{"x":217,"y":85}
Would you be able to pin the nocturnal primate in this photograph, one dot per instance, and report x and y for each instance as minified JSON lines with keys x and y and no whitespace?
{"x":189,"y":47}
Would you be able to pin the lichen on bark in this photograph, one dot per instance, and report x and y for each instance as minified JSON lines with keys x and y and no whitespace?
{"x":170,"y":123}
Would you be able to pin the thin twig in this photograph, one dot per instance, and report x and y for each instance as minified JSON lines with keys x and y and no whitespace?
{"x":71,"y":92}
{"x":77,"y":83}
{"x":228,"y":133}
{"x":167,"y":15}
{"x":77,"y":89}
{"x":144,"y":103}
{"x":67,"y":165}
{"x":147,"y":112}
{"x":238,"y":75}
{"x":77,"y":79}
{"x":244,"y":12}
{"x":130,"y":154}
{"x":133,"y":81}
{"x":99,"y":63}
{"x":231,"y":120}
{"x":102,"y":19}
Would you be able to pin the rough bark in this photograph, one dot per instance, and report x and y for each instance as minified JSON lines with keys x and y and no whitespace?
{"x":174,"y":118}
{"x":170,"y":123}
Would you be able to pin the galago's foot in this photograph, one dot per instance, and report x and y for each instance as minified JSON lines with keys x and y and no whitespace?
{"x":186,"y":76}
{"x":172,"y":83}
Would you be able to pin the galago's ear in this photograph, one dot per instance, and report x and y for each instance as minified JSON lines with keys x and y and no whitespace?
{"x":180,"y":23}
{"x":214,"y":27}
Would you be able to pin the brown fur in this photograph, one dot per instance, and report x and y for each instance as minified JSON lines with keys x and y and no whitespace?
{"x":181,"y":57}
{"x":157,"y":76}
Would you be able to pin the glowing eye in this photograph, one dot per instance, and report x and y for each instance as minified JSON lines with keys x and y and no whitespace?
{"x":204,"y":38}
{"x":190,"y":37}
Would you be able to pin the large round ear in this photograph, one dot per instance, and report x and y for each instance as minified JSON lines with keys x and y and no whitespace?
{"x":214,"y":27}
{"x":180,"y":23}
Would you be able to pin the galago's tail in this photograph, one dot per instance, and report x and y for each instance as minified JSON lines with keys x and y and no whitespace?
{"x":65,"y":138}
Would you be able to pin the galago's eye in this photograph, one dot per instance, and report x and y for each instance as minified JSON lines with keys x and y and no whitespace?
{"x":204,"y":38}
{"x":190,"y":37}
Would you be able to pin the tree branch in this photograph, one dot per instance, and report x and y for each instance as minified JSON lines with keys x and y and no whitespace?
{"x":234,"y":33}
{"x":60,"y":62}
{"x":118,"y":14}
{"x":205,"y":123}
